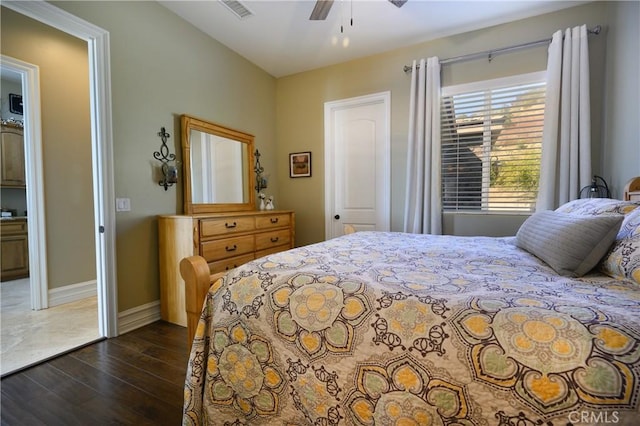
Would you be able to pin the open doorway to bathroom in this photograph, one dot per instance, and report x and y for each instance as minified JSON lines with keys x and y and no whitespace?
{"x":70,"y":291}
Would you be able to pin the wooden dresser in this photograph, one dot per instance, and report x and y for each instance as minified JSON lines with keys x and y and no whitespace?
{"x":225,"y":240}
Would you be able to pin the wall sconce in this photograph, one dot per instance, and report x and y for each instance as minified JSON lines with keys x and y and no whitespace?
{"x":594,"y":190}
{"x":169,"y":164}
{"x":261,"y":180}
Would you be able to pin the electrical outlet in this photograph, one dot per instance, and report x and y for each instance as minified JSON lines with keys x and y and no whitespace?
{"x":123,"y":204}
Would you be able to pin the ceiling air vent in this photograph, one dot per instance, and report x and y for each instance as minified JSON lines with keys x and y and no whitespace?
{"x":237,"y":8}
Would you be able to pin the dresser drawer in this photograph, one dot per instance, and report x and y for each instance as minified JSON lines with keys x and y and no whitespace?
{"x":228,"y":264}
{"x":273,"y":221}
{"x":226,"y":225}
{"x":266,"y":240}
{"x":227,"y":247}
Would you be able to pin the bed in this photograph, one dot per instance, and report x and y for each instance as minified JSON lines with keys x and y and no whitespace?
{"x":382,"y":328}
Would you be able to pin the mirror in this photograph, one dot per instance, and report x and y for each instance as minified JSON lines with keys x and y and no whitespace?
{"x":217,"y":168}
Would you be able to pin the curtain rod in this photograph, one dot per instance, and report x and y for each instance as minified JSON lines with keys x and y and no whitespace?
{"x":491,"y":53}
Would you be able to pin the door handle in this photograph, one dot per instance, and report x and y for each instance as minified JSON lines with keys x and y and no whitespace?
{"x":336,"y":217}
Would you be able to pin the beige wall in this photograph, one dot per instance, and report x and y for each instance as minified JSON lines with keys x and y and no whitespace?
{"x":162,"y":67}
{"x":301,"y":98}
{"x":66,"y":141}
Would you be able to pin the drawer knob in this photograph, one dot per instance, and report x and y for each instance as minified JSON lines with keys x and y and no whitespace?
{"x":274,"y":239}
{"x":232,"y":248}
{"x":274,"y":220}
{"x":230,"y":225}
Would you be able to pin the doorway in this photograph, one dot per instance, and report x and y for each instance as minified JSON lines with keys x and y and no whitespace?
{"x":357,"y":164}
{"x":27,"y":76}
{"x":37,"y":322}
{"x":102,"y":156}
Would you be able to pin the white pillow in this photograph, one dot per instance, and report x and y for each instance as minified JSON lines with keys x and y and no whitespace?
{"x":598,"y":206}
{"x":571,"y":244}
{"x":623,"y":261}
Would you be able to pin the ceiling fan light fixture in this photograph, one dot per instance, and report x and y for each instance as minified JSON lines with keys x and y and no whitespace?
{"x":322,"y":8}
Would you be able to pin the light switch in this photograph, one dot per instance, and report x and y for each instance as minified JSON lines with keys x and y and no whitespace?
{"x":123,"y":204}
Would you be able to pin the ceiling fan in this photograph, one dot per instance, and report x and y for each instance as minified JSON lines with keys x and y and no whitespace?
{"x":322,"y":8}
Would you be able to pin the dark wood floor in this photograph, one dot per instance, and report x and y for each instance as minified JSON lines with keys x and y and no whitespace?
{"x":134,"y":379}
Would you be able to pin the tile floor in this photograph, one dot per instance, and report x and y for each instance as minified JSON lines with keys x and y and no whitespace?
{"x":28,"y":337}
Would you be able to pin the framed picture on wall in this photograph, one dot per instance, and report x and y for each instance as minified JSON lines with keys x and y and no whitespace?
{"x":300,"y":164}
{"x":15,"y":104}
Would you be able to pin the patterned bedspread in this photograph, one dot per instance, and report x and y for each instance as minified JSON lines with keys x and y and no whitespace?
{"x":400,"y":329}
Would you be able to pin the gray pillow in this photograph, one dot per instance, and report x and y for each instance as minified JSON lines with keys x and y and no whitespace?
{"x":572,"y":245}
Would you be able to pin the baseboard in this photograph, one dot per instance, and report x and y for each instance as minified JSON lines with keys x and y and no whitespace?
{"x":138,"y":317}
{"x":72,"y":293}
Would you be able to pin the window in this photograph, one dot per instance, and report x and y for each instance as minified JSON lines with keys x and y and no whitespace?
{"x":491,"y":144}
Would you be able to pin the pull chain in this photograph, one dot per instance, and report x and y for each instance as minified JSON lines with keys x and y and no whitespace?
{"x":352,"y":13}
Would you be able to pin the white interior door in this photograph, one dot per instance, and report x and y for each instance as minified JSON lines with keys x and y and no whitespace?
{"x":357,"y":164}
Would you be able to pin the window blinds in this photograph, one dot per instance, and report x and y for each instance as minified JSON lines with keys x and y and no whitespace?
{"x":491,"y":144}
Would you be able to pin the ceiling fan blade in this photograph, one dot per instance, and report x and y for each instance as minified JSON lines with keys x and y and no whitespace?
{"x":398,"y":3}
{"x":321,"y":10}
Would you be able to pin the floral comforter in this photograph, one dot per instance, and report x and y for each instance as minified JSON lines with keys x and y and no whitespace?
{"x":400,"y":329}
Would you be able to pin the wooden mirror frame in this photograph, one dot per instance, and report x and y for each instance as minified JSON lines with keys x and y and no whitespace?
{"x":189,"y":123}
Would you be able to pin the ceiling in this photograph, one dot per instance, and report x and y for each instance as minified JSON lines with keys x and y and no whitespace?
{"x":280,"y":38}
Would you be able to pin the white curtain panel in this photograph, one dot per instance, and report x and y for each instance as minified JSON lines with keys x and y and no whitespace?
{"x":423,"y":202}
{"x":566,"y":138}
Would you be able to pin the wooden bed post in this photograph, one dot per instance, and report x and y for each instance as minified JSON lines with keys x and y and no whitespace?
{"x":195,"y":273}
{"x":632,"y":190}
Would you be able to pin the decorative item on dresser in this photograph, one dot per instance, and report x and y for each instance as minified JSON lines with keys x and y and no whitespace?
{"x":221,"y":223}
